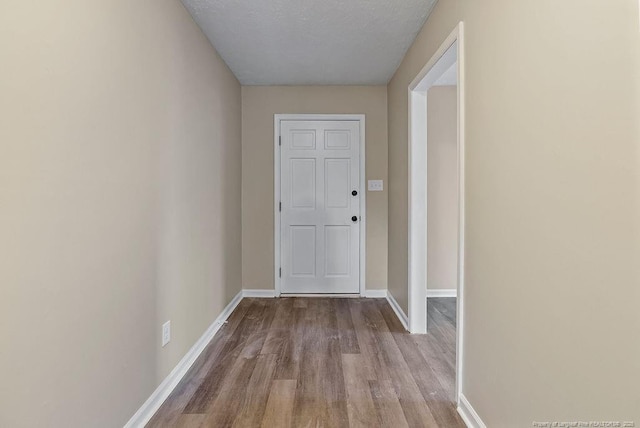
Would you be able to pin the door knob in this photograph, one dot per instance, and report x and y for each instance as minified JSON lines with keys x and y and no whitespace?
{"x":354,"y":193}
{"x":354,"y":218}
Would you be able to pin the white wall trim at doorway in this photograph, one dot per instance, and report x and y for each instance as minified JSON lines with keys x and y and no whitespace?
{"x":442,"y":293}
{"x":451,"y":50}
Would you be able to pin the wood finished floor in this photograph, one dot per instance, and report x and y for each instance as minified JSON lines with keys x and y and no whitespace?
{"x":320,"y":362}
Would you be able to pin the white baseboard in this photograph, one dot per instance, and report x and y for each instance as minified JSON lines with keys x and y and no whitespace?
{"x":398,"y":310}
{"x":375,"y":294}
{"x":259,"y":293}
{"x":468,"y":414}
{"x":153,"y":403}
{"x":332,"y":295}
{"x":442,"y":293}
{"x":369,"y":294}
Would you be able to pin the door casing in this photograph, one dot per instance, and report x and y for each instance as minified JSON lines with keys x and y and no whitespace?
{"x":417,"y":208}
{"x":277,"y":191}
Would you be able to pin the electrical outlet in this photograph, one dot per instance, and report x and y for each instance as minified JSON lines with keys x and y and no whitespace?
{"x":166,"y":333}
{"x":375,"y":186}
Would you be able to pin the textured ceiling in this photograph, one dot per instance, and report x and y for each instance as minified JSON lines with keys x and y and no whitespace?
{"x":311,"y":42}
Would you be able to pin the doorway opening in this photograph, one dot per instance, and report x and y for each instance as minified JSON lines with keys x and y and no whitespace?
{"x":435,"y":193}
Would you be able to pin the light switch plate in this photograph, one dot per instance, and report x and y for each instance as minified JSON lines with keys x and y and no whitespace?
{"x":166,"y":333}
{"x":375,"y":186}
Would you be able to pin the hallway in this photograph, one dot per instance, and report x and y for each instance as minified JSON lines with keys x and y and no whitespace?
{"x":312,"y":362}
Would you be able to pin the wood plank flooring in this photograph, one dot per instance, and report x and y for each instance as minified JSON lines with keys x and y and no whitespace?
{"x":320,"y":362}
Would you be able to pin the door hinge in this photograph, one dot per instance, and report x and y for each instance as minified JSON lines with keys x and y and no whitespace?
{"x":280,"y":272}
{"x":280,"y":140}
{"x":280,"y":206}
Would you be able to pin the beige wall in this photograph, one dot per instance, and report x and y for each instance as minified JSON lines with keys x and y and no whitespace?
{"x":442,"y":188}
{"x":552,"y":205}
{"x":259,"y":104}
{"x":119,"y":204}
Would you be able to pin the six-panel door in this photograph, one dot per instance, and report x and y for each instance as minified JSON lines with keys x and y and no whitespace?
{"x":320,"y":193}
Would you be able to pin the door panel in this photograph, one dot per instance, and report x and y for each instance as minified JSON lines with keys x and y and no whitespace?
{"x":303,"y":139}
{"x":303,"y":251}
{"x":337,"y":183}
{"x":320,"y":243}
{"x":336,"y":253}
{"x":303,"y":183}
{"x":335,"y":139}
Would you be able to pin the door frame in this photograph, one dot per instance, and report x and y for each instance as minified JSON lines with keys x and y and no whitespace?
{"x":417,"y":227}
{"x":277,"y":118}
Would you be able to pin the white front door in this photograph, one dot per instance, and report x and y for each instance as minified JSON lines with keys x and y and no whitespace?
{"x":320,"y":213}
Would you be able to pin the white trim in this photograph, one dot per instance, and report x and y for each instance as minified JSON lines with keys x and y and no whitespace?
{"x":370,"y":294}
{"x":277,"y":118}
{"x":442,"y":293}
{"x":443,"y":59}
{"x":468,"y":413}
{"x":277,"y":234}
{"x":460,"y":301}
{"x":398,"y":310}
{"x":417,"y":222}
{"x":265,"y":294}
{"x":153,"y":403}
{"x":376,"y":294}
{"x":417,"y":100}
